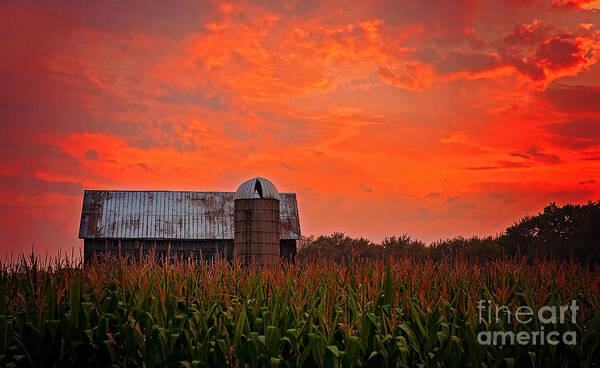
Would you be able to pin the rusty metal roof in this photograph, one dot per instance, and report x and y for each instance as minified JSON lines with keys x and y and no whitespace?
{"x":170,"y":215}
{"x":257,"y":188}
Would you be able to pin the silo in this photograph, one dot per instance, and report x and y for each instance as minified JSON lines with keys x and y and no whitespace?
{"x":256,"y":223}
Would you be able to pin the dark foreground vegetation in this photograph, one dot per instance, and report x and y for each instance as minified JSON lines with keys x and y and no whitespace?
{"x":395,"y":312}
{"x":571,"y":232}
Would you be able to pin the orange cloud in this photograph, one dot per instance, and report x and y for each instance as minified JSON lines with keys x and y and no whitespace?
{"x":577,"y":4}
{"x":432,"y":118}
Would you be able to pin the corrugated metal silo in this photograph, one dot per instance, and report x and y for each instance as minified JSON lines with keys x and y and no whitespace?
{"x":256,"y":223}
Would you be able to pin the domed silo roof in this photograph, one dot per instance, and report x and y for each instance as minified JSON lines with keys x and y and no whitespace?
{"x":257,"y":188}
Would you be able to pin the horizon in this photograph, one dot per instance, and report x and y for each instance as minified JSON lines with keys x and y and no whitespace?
{"x":429,"y":119}
{"x":61,"y":251}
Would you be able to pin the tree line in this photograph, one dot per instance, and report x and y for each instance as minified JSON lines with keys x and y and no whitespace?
{"x":570,"y":232}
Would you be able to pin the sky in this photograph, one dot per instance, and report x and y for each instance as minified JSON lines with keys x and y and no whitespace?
{"x":432,"y":118}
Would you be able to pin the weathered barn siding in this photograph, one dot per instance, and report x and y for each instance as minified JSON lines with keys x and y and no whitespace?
{"x":289,"y":220}
{"x":287,"y":250}
{"x":197,"y":250}
{"x":170,"y":215}
{"x":194,"y":250}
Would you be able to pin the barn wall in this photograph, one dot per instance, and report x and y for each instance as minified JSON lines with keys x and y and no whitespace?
{"x":287,"y":250}
{"x":197,"y":250}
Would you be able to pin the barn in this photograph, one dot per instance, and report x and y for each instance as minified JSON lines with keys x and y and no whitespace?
{"x":256,"y":224}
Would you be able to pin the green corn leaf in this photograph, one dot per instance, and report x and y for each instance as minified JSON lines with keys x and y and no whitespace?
{"x":239,"y":327}
{"x":510,"y":362}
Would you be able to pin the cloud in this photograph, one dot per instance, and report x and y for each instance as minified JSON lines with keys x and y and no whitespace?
{"x":420,"y":97}
{"x":37,"y":157}
{"x":530,"y":34}
{"x":36,"y":186}
{"x":434,"y":14}
{"x":284,"y":165}
{"x":544,"y":53}
{"x":453,"y":199}
{"x":414,"y":77}
{"x":525,"y":67}
{"x":572,"y":98}
{"x":560,"y":52}
{"x":545,"y":158}
{"x":576,"y":4}
{"x":537,"y":52}
{"x":512,"y":164}
{"x":521,"y":155}
{"x":464,"y":207}
{"x":91,"y":155}
{"x":532,"y":154}
{"x":471,"y":62}
{"x":481,"y":168}
{"x":148,"y":16}
{"x":580,"y":133}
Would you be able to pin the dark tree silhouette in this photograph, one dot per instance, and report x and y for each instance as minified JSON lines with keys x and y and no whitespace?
{"x":570,"y":231}
{"x":567,"y":231}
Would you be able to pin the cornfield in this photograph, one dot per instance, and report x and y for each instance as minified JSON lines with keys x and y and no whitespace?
{"x":392,"y":313}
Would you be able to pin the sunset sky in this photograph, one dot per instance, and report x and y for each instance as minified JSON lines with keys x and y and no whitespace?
{"x":434,"y":118}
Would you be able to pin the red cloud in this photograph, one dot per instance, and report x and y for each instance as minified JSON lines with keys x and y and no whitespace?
{"x":542,"y":53}
{"x":527,"y":34}
{"x":560,"y":53}
{"x":414,"y":77}
{"x":537,"y":52}
{"x":579,"y":133}
{"x":475,"y":62}
{"x":577,"y":98}
{"x":576,"y":4}
{"x":317,"y":95}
